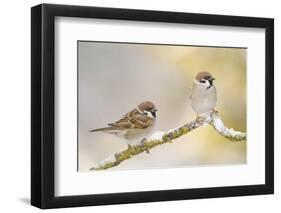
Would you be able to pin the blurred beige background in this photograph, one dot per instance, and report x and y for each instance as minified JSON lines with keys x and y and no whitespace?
{"x":115,"y":77}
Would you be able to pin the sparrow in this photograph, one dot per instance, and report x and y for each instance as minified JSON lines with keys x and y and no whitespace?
{"x":203,"y":94}
{"x":134,"y":125}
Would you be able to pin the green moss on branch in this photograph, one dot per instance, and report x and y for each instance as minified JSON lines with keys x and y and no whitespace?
{"x":213,"y":119}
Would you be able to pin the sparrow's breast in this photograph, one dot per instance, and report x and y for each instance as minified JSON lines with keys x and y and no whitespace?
{"x":203,"y":100}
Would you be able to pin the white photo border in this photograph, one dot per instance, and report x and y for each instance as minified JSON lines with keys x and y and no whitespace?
{"x":70,"y":182}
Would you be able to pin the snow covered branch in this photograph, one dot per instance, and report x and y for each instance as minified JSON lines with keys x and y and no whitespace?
{"x":159,"y":138}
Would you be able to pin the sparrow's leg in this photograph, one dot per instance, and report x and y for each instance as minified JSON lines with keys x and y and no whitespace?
{"x":129,"y":146}
{"x":200,"y":119}
{"x":142,"y":143}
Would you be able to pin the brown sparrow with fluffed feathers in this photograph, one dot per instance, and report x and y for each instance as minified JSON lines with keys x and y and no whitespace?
{"x":134,"y":125}
{"x":203,"y":94}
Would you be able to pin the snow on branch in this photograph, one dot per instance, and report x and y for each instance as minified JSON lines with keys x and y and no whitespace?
{"x":159,"y":138}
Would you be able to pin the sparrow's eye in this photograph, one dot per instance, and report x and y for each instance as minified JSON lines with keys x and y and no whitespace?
{"x":202,"y":81}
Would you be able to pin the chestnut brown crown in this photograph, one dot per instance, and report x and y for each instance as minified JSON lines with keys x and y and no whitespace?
{"x":204,"y":75}
{"x":147,"y":106}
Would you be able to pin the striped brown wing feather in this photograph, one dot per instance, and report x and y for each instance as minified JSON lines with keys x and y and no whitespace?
{"x":132,"y":120}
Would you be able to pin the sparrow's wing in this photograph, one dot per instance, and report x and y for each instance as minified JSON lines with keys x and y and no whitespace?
{"x":132,"y":120}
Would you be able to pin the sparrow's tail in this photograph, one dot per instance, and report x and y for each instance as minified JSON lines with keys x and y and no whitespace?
{"x":102,"y":129}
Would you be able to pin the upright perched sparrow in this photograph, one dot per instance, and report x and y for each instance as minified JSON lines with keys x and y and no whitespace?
{"x":134,"y":125}
{"x":204,"y":94}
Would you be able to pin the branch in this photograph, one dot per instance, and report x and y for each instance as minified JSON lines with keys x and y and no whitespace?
{"x":159,"y":138}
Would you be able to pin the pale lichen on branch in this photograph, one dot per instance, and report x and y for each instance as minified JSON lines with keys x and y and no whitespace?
{"x":159,"y":138}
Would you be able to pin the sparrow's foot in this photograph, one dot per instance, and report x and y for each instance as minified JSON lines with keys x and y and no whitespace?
{"x":129,"y":146}
{"x":215,"y":111}
{"x":200,"y":119}
{"x":142,"y":143}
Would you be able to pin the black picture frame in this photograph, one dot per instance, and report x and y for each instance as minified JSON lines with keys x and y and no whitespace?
{"x":43,"y":102}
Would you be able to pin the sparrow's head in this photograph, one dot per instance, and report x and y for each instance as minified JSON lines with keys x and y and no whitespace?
{"x":148,"y":109}
{"x":205,"y":79}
